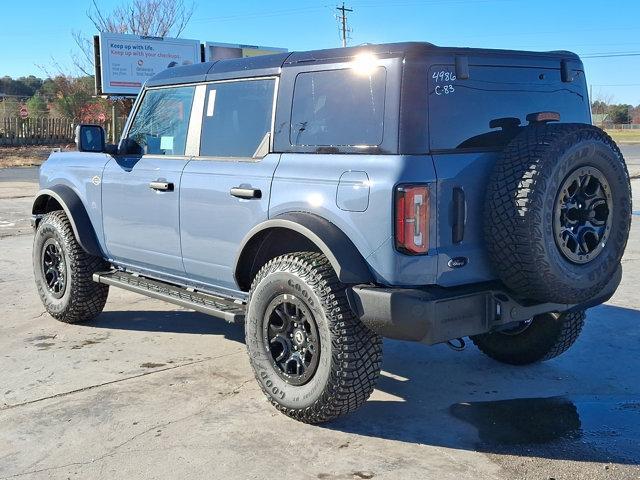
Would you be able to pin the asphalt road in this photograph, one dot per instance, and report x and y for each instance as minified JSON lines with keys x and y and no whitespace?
{"x":148,"y":390}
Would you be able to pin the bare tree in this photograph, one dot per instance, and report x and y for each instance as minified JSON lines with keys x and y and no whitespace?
{"x":601,"y":102}
{"x":156,"y":18}
{"x":153,"y":18}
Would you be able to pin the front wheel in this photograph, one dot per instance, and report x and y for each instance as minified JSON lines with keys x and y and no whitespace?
{"x":312,"y":357}
{"x":63,"y":272}
{"x":542,"y":338}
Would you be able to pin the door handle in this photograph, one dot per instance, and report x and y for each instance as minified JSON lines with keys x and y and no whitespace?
{"x":246,"y":192}
{"x":162,"y":186}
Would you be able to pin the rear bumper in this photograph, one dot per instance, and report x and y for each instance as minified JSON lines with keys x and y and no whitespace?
{"x":435,"y":314}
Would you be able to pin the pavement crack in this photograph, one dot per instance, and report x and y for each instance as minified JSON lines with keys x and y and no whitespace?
{"x":111,"y":382}
{"x":48,"y":469}
{"x":114,"y":450}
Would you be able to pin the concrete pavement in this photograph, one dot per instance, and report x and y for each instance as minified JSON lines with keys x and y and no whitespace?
{"x":153,"y":391}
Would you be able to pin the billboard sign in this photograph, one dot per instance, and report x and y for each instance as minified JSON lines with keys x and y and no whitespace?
{"x":222,"y":51}
{"x":125,"y":62}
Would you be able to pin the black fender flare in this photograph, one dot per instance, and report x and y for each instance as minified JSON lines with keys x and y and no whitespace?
{"x":75,"y":211}
{"x":346,"y":260}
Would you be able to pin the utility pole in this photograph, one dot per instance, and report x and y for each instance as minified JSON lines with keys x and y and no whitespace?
{"x":343,"y":17}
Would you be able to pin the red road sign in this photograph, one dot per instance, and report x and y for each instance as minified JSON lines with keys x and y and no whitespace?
{"x":24,"y":113}
{"x":102,"y":117}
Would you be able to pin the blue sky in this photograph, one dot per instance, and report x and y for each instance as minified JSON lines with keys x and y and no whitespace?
{"x":585,"y":26}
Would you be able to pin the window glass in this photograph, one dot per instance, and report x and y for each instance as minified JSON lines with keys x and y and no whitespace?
{"x":338,"y":107}
{"x":460,"y":111}
{"x":161,"y":124}
{"x":237,"y":118}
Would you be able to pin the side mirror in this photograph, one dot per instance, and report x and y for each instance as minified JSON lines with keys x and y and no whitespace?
{"x":90,"y":138}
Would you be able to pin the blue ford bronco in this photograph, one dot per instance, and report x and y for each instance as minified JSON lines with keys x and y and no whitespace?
{"x":331,"y":198}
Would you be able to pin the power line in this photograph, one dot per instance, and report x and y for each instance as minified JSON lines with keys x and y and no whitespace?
{"x":615,"y":84}
{"x":270,"y":13}
{"x":611,"y":55}
{"x":343,"y":18}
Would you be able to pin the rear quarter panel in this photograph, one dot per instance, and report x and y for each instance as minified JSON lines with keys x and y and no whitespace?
{"x":309,"y":183}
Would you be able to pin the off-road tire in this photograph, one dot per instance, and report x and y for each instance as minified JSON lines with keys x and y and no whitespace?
{"x":83,"y":299}
{"x":350,"y":353}
{"x":519,"y":212}
{"x":548,"y":336}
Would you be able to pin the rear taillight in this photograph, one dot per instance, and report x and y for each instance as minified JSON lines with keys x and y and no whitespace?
{"x":412,"y":219}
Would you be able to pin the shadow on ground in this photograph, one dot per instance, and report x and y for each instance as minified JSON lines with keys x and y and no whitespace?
{"x":583,"y":406}
{"x":171,"y":321}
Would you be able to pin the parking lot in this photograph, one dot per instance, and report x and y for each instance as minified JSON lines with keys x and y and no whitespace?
{"x":149,"y":390}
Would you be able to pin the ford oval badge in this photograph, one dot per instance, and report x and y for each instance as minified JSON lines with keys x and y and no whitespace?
{"x":457,"y":262}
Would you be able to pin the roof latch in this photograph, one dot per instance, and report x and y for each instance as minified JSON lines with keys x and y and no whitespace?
{"x":566,"y":74}
{"x":462,"y":67}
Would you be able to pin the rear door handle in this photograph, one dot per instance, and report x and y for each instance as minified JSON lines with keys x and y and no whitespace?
{"x":246,"y":192}
{"x":162,"y":186}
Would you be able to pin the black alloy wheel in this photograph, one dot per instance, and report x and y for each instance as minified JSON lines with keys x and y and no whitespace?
{"x":558,"y":213}
{"x":582,"y":216}
{"x":63,"y":271}
{"x":312,"y":356}
{"x":290,"y":335}
{"x":54,"y":267}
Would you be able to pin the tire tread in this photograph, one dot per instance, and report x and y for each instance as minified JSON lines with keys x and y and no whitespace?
{"x":356,"y":350}
{"x":87,"y":298}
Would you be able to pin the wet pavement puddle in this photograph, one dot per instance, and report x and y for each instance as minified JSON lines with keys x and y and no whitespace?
{"x":607,"y":425}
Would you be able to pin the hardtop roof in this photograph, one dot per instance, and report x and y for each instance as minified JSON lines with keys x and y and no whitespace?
{"x":210,"y":70}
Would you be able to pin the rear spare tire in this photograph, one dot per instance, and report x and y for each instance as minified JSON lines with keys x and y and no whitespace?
{"x":558,"y":212}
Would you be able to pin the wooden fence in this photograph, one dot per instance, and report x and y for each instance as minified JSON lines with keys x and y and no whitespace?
{"x":35,"y":131}
{"x":45,"y":130}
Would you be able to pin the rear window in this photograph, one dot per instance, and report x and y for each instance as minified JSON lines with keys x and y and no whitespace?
{"x":338,"y":108}
{"x":460,"y":110}
{"x":237,"y":118}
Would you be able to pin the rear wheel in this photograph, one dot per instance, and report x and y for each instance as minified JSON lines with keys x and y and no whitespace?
{"x":63,"y":272}
{"x":311,"y":355}
{"x":542,"y":338}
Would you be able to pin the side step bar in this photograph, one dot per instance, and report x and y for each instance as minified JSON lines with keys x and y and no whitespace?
{"x":229,"y":310}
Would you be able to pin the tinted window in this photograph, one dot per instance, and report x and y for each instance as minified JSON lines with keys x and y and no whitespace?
{"x":237,"y":118}
{"x":161,"y":124}
{"x":338,"y":107}
{"x":460,"y":110}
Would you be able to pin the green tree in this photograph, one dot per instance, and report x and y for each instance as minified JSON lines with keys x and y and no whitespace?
{"x":599,"y":107}
{"x":29,"y":85}
{"x":48,"y":88}
{"x":22,"y":87}
{"x":71,"y":95}
{"x":620,"y":113}
{"x":37,"y":106}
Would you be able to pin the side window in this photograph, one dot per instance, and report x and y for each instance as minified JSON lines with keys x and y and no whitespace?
{"x":237,"y":118}
{"x":162,"y":121}
{"x":338,"y":108}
